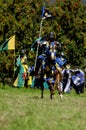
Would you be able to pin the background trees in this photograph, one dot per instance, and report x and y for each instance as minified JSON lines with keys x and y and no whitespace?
{"x":22,"y":18}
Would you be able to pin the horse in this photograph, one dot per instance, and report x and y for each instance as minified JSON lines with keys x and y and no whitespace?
{"x":53,"y":77}
{"x":47,"y":64}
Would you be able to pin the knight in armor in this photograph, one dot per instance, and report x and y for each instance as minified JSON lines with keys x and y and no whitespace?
{"x":51,"y":47}
{"x":48,"y":44}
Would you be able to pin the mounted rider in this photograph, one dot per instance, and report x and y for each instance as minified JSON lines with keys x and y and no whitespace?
{"x":51,"y":59}
{"x":48,"y":47}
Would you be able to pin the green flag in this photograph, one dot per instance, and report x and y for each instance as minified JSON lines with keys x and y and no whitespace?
{"x":8,"y":44}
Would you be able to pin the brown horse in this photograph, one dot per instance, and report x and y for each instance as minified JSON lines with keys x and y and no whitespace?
{"x":47,"y":65}
{"x":52,"y":68}
{"x":53,"y":77}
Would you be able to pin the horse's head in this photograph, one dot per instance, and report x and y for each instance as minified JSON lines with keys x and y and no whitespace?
{"x":52,"y":52}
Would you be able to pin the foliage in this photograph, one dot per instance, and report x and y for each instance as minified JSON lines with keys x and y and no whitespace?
{"x":6,"y":64}
{"x":23,"y":17}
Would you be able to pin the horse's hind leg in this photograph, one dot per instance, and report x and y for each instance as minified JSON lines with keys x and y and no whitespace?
{"x":51,"y":94}
{"x":51,"y":91}
{"x":42,"y":91}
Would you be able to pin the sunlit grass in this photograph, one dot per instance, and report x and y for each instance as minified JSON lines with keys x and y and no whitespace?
{"x":23,"y":109}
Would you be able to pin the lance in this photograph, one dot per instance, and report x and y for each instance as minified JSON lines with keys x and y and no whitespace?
{"x":45,"y":15}
{"x":39,"y":38}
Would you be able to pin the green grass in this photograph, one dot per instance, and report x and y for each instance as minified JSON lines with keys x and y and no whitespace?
{"x":23,"y":109}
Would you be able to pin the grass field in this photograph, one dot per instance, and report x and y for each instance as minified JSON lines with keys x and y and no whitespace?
{"x":23,"y":109}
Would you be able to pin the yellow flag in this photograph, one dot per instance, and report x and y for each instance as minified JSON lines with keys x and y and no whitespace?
{"x":11,"y":43}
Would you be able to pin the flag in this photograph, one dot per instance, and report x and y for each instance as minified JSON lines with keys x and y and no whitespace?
{"x":9,"y":44}
{"x":40,"y":40}
{"x":20,"y":80}
{"x":61,"y":61}
{"x":35,"y":43}
{"x":46,"y":13}
{"x":18,"y":62}
{"x":21,"y":60}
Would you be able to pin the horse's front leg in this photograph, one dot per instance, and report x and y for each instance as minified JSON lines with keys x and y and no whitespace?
{"x":42,"y":87}
{"x":57,"y":84}
{"x":51,"y":92}
{"x":51,"y":89}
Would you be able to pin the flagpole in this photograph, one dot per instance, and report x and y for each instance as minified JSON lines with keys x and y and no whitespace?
{"x":14,"y":58}
{"x":38,"y":43}
{"x":14,"y":61}
{"x":39,"y":36}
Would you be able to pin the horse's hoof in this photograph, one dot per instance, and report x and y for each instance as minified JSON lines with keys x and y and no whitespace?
{"x":61,"y":96}
{"x":50,"y":97}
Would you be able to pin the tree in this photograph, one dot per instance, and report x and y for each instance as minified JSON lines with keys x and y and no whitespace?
{"x":23,"y":17}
